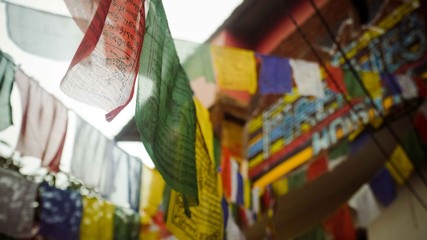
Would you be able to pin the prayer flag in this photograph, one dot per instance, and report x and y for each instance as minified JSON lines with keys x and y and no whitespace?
{"x":152,"y":187}
{"x":205,"y":220}
{"x":409,"y":89}
{"x":382,"y":186}
{"x":42,"y":33}
{"x":60,"y":213}
{"x":44,"y":123}
{"x":103,"y":71}
{"x":390,"y":83}
{"x":363,"y":201}
{"x":372,"y":83}
{"x":235,"y":69}
{"x":281,"y":186}
{"x":88,"y":153}
{"x":17,"y":195}
{"x":340,"y":224}
{"x":335,"y":79}
{"x":414,"y":146}
{"x":126,"y":224}
{"x":297,"y":178}
{"x":226,"y":172}
{"x":399,"y":165}
{"x":316,"y":233}
{"x":308,"y":78}
{"x":97,"y":219}
{"x":165,"y":112}
{"x":275,"y":76}
{"x":120,"y":180}
{"x":317,"y":168}
{"x":7,"y":73}
{"x":353,"y":87}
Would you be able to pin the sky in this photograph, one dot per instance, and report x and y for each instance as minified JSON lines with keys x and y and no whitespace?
{"x":189,"y":20}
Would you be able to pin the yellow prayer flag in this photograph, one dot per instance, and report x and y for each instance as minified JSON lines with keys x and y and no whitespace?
{"x":205,"y":127}
{"x":97,"y":219}
{"x":281,"y":186}
{"x":372,"y":82}
{"x":235,"y":69}
{"x":247,"y":194}
{"x":400,"y":161}
{"x":152,"y":186}
{"x":206,"y":221}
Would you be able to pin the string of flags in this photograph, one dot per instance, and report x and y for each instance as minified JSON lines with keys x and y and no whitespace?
{"x":178,"y":135}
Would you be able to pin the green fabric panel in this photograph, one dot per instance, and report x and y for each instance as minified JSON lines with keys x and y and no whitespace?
{"x":353,"y":87}
{"x":165,"y":112}
{"x":297,"y":179}
{"x":126,"y":224}
{"x":340,"y":149}
{"x":7,"y":74}
{"x":200,"y":64}
{"x":412,"y":144}
{"x":316,"y":233}
{"x":217,"y":152}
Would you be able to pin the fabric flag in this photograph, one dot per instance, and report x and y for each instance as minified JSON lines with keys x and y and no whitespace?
{"x":60,"y":213}
{"x":204,"y":91}
{"x":363,"y":201}
{"x":391,"y":84}
{"x":97,"y":219}
{"x":317,"y":168}
{"x":399,"y":165}
{"x":82,"y":11}
{"x":297,"y":178}
{"x":204,"y":221}
{"x":335,"y":79}
{"x":359,"y":141}
{"x":232,"y":230}
{"x":225,"y":213}
{"x":236,"y":183}
{"x":414,"y":146}
{"x":308,"y":78}
{"x":255,"y":200}
{"x":165,"y":113}
{"x":7,"y":73}
{"x":340,"y":225}
{"x":409,"y":89}
{"x":281,"y":186}
{"x":382,"y":186}
{"x":126,"y":224}
{"x":247,"y":193}
{"x":120,"y":180}
{"x":338,"y":154}
{"x":199,"y":64}
{"x":103,"y":71}
{"x":44,"y":123}
{"x":152,"y":186}
{"x":316,"y":233}
{"x":16,"y":200}
{"x":420,"y":123}
{"x":353,"y":87}
{"x":372,"y":83}
{"x":275,"y":76}
{"x":88,"y":153}
{"x":41,"y":33}
{"x":226,"y":172}
{"x":235,"y":69}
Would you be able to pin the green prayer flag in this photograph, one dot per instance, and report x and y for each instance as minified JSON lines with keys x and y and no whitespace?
{"x":353,"y":87}
{"x":340,"y":149}
{"x":297,"y":179}
{"x":126,"y":224}
{"x":6,"y":83}
{"x":165,"y":113}
{"x":412,"y":144}
{"x":316,"y":233}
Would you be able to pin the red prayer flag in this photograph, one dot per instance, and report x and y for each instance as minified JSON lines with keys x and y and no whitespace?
{"x":317,"y":168}
{"x":336,"y":82}
{"x":340,"y":224}
{"x":104,"y":68}
{"x":226,"y":172}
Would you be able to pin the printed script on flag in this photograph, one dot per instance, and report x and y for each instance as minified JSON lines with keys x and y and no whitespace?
{"x":104,"y":68}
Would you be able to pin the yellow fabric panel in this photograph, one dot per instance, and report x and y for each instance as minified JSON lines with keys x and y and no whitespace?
{"x":372,"y":82}
{"x":281,"y":186}
{"x":400,"y":161}
{"x":235,"y":68}
{"x":97,"y":219}
{"x":152,"y":186}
